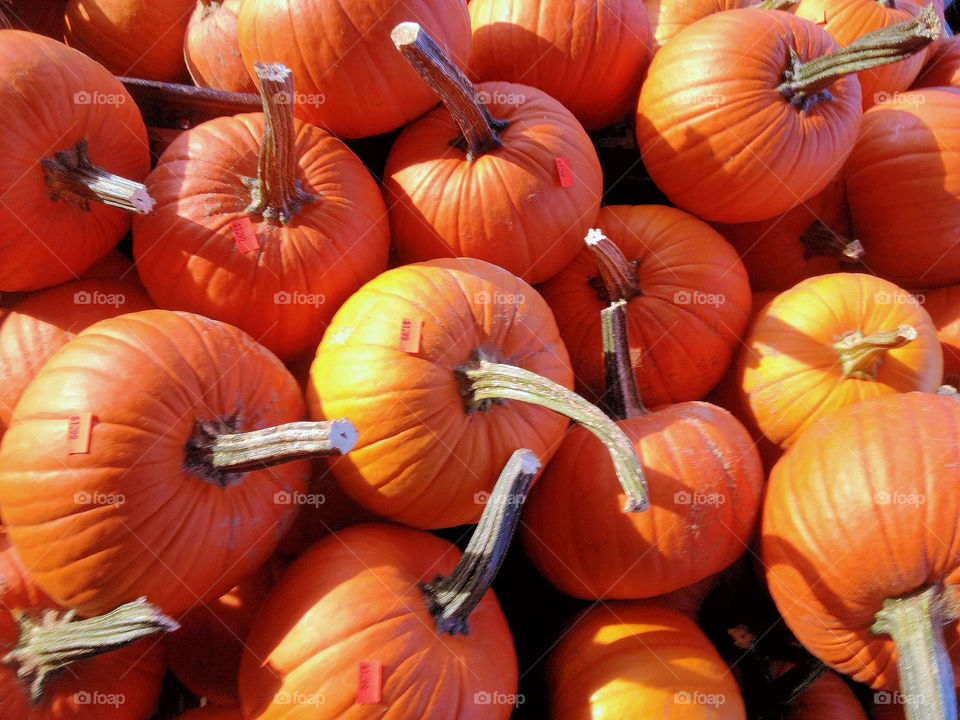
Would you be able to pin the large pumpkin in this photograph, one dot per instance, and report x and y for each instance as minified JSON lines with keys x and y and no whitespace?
{"x":62,"y":110}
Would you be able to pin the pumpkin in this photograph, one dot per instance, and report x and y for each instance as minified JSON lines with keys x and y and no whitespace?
{"x":811,"y":239}
{"x":736,"y":135}
{"x":403,"y":601}
{"x":499,"y":194}
{"x":113,"y":266}
{"x":942,"y":67}
{"x":943,"y":306}
{"x":882,"y":471}
{"x":438,"y":364}
{"x":350,"y":81}
{"x":629,"y":659}
{"x":45,"y":18}
{"x":830,"y":341}
{"x":847,"y":20}
{"x":315,"y":219}
{"x":703,"y":500}
{"x":212,"y":712}
{"x":134,"y":38}
{"x":688,"y":295}
{"x":43,"y":322}
{"x":668,"y":17}
{"x":204,"y":653}
{"x":211,"y":47}
{"x":828,"y":697}
{"x":96,"y":683}
{"x":171,"y":499}
{"x":590,"y":56}
{"x":79,"y":114}
{"x":906,"y":147}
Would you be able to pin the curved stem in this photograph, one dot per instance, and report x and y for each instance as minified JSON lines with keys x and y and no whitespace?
{"x":805,"y":83}
{"x":860,"y":354}
{"x":915,"y":623}
{"x":777,"y":4}
{"x":484,"y":382}
{"x":55,"y":640}
{"x":451,"y":599}
{"x":819,"y":240}
{"x":215,"y":453}
{"x":71,"y":176}
{"x":480,"y":131}
{"x":277,"y":193}
{"x":621,"y":383}
{"x":618,"y":275}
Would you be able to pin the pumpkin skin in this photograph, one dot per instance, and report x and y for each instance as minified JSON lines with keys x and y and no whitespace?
{"x":212,"y":712}
{"x":637,"y":660}
{"x":45,"y":241}
{"x":882,"y":471}
{"x":828,"y":697}
{"x":420,"y":458}
{"x":668,"y":17}
{"x":847,"y":20}
{"x":684,"y":345}
{"x":44,"y":322}
{"x":352,"y":598}
{"x":763,"y":155}
{"x":45,"y":18}
{"x":135,"y":38}
{"x":942,"y":68}
{"x":907,"y":147}
{"x":943,"y":306}
{"x":285,"y":293}
{"x":506,"y":206}
{"x":589,"y":56}
{"x":704,"y":502}
{"x":790,"y":375}
{"x":176,"y":535}
{"x":133,"y":673}
{"x":357,"y":83}
{"x":211,"y":48}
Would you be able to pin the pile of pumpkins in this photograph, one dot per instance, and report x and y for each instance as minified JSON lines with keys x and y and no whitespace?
{"x":254,"y":384}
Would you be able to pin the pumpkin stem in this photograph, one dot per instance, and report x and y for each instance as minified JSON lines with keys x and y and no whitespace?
{"x":819,"y":240}
{"x":623,"y":396}
{"x":56,"y":639}
{"x":806,"y":83}
{"x":860,"y":354}
{"x":915,"y":622}
{"x":71,"y":176}
{"x":618,"y":275}
{"x":277,"y":193}
{"x":451,"y":599}
{"x":777,"y":4}
{"x":215,"y":454}
{"x":484,"y":382}
{"x":480,"y":131}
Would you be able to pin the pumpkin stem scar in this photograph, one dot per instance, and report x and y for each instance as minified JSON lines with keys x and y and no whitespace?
{"x":215,"y":454}
{"x":805,"y":83}
{"x":451,"y":599}
{"x":819,"y":240}
{"x":277,"y":194}
{"x":618,"y":274}
{"x":860,"y":354}
{"x":916,"y":622}
{"x":71,"y":176}
{"x":481,"y":380}
{"x":480,"y":131}
{"x":48,"y":644}
{"x":623,"y":396}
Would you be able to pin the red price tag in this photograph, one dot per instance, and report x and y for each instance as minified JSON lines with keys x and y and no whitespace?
{"x":243,"y":235}
{"x":564,"y":172}
{"x":410,"y":331}
{"x":370,"y":682}
{"x":78,"y":433}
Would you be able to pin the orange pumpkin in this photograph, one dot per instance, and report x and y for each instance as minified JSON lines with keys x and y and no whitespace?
{"x":828,"y":697}
{"x":668,"y":17}
{"x":943,"y":306}
{"x":213,"y":712}
{"x":211,"y":47}
{"x":942,"y":67}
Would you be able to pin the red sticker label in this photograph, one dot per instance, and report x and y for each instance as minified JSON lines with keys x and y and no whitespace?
{"x":369,"y":682}
{"x":78,"y":433}
{"x":564,"y":172}
{"x":410,"y":331}
{"x":243,"y":235}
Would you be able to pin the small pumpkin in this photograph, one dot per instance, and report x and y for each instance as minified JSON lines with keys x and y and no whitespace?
{"x":830,"y":341}
{"x":668,"y":17}
{"x":211,"y":47}
{"x":943,"y":306}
